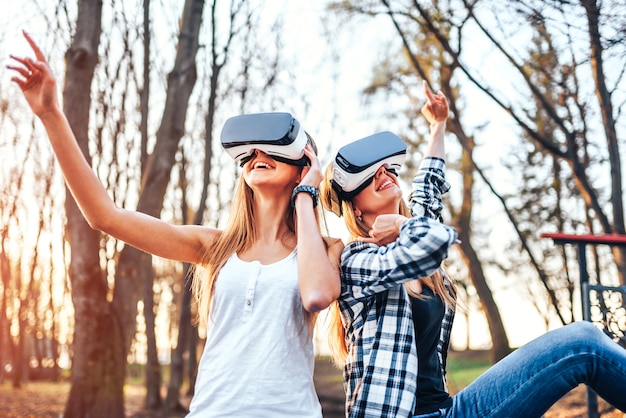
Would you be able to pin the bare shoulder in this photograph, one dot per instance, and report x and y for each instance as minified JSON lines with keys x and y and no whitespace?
{"x":205,"y":235}
{"x":190,"y":243}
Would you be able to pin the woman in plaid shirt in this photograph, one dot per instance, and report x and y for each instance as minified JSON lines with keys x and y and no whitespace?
{"x":394,"y":315}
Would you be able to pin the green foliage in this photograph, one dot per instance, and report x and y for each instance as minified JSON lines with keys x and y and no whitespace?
{"x":464,"y":367}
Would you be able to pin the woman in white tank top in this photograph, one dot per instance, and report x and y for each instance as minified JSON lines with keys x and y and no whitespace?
{"x":255,"y":292}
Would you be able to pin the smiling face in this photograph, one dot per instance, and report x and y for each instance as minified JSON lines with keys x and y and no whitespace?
{"x":382,"y":196}
{"x":263,"y":171}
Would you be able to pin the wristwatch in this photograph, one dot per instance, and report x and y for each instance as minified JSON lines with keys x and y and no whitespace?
{"x":306,"y":189}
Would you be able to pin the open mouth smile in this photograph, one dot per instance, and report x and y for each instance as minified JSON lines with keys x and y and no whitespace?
{"x":261,"y":165}
{"x":386,"y":184}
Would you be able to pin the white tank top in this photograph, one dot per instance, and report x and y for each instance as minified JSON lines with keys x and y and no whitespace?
{"x":258,"y":358}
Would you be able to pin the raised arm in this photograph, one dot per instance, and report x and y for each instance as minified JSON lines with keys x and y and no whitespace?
{"x":429,"y":182}
{"x":318,"y":261}
{"x":184,"y":243}
{"x":436,"y":112}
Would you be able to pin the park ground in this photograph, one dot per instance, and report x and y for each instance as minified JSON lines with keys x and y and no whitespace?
{"x":47,"y":400}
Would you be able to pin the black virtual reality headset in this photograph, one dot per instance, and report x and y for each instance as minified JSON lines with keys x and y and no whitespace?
{"x":278,"y":134}
{"x":357,"y":162}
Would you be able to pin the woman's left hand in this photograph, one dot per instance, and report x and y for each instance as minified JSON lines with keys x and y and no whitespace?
{"x":311,"y":174}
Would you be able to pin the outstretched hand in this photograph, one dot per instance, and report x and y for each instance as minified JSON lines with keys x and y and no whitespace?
{"x":436,"y":108}
{"x":35,"y":80}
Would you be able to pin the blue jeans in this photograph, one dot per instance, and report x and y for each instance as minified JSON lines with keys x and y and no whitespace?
{"x":530,"y":380}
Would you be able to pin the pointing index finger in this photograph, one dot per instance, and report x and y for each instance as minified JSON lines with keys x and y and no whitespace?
{"x":429,"y":94}
{"x":38,"y":54}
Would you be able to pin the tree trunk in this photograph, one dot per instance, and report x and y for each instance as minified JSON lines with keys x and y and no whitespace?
{"x":608,"y":122}
{"x":192,"y":372}
{"x":500,"y":341}
{"x":134,"y":270}
{"x":153,"y":368}
{"x":19,"y":366}
{"x":172,"y":401}
{"x":5,"y":331}
{"x":96,"y":382}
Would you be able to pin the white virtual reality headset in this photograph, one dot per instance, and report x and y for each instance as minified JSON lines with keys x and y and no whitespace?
{"x":357,"y":162}
{"x":278,"y":134}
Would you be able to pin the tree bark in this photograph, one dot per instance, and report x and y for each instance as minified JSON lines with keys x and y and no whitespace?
{"x":97,"y":378}
{"x":134,"y":269}
{"x":608,"y":122}
{"x":153,"y":367}
{"x":172,"y":400}
{"x":462,"y":222}
{"x":6,"y":342}
{"x":129,"y":276}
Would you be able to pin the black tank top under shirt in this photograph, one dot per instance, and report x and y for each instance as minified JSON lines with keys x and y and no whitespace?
{"x":427,"y":317}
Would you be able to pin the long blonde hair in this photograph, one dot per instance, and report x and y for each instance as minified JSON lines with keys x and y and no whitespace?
{"x":437,"y":282}
{"x":238,"y":235}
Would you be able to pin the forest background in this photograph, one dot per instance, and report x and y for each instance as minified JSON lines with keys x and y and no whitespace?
{"x":537,"y":96}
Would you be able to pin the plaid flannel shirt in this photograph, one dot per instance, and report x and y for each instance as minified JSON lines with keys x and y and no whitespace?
{"x":380,"y":374}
